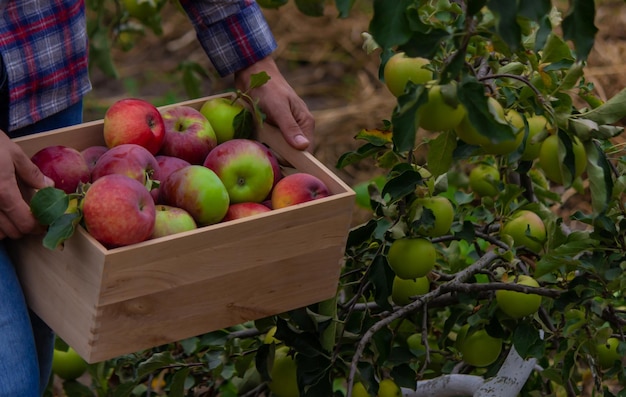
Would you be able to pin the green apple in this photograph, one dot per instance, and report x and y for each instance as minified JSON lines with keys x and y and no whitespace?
{"x":404,"y":290}
{"x":244,"y":168}
{"x":466,"y":132}
{"x":171,"y":220}
{"x":608,"y":354}
{"x":518,"y":304}
{"x":526,"y":229}
{"x":388,"y":388}
{"x":551,"y":164}
{"x":443,"y":213}
{"x":411,"y":258}
{"x":222,"y":113}
{"x":284,"y":381}
{"x":536,"y":124}
{"x":438,"y":115}
{"x":484,"y":180}
{"x":480,"y":349}
{"x":400,"y":69}
{"x":68,"y":364}
{"x":199,"y":191}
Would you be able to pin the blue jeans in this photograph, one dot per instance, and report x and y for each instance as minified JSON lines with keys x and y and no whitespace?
{"x":26,"y":342}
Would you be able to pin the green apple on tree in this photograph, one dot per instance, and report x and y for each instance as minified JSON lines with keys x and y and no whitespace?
{"x":68,"y":364}
{"x":438,"y":207}
{"x":484,"y":180}
{"x":466,"y":132}
{"x":284,"y":382}
{"x":518,"y":304}
{"x":608,"y":354}
{"x":478,"y":348}
{"x":411,"y":258}
{"x":388,"y":388}
{"x":516,"y":121}
{"x":526,"y":229}
{"x":400,"y":69}
{"x":551,"y":163}
{"x":442,"y":111}
{"x":537,"y":124}
{"x":403,"y":291}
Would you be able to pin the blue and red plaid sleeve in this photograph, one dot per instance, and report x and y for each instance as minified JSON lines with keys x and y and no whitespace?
{"x":233,"y":33}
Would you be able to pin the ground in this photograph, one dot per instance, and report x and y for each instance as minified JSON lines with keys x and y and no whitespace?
{"x":324,"y":61}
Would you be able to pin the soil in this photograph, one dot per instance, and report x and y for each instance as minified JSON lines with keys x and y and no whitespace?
{"x":323,"y":60}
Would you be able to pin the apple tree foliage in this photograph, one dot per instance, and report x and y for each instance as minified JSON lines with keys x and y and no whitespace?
{"x":531,"y":57}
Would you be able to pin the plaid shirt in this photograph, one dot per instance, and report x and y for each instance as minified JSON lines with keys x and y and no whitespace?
{"x":44,"y":46}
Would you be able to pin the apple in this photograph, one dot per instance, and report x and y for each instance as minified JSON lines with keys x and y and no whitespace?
{"x":484,"y":180}
{"x":437,"y":114}
{"x":411,"y":258}
{"x":244,"y":168}
{"x":171,"y":220}
{"x":400,"y":69}
{"x":480,"y":349}
{"x":118,"y":211}
{"x":223,"y":114}
{"x":66,"y":166}
{"x":199,"y":191}
{"x":526,"y":229}
{"x":167,"y":165}
{"x":133,"y":120}
{"x":388,"y":388}
{"x":298,"y":188}
{"x":608,"y":354}
{"x":403,"y":291}
{"x":278,"y":174}
{"x":128,"y":159}
{"x":242,"y":210}
{"x":437,"y":221}
{"x":518,"y":304}
{"x":283,"y":374}
{"x":91,"y":155}
{"x":68,"y":364}
{"x":188,"y":134}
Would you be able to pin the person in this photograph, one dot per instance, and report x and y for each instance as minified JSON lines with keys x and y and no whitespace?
{"x":43,"y":78}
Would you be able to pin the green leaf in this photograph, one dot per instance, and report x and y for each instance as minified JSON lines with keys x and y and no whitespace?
{"x":60,"y":230}
{"x":600,"y":180}
{"x":527,"y":341}
{"x":402,"y":185}
{"x":177,"y":387}
{"x":258,"y":79}
{"x":389,"y":25}
{"x":381,"y":276}
{"x":243,"y":124}
{"x":311,"y":8}
{"x":579,"y":27}
{"x":353,"y":157}
{"x":472,"y":96}
{"x":404,"y":117}
{"x":507,"y":26}
{"x":154,"y":363}
{"x":555,"y":50}
{"x":49,"y":204}
{"x":424,"y":44}
{"x":440,"y":153}
{"x":609,"y":112}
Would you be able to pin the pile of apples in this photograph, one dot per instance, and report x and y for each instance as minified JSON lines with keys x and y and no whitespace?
{"x":172,"y":170}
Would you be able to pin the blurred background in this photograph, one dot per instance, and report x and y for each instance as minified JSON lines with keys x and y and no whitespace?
{"x":323,"y":59}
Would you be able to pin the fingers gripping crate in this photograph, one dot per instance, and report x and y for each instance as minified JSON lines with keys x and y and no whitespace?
{"x":108,"y":302}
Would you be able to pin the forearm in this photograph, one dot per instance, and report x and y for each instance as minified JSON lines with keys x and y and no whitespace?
{"x":233,"y":33}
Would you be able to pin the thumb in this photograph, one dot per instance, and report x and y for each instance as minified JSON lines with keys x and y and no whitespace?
{"x":30,"y":174}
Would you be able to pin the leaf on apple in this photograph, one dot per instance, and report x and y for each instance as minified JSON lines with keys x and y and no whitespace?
{"x":49,"y":204}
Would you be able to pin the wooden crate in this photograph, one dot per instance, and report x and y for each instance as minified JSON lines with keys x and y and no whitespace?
{"x":109,"y":302}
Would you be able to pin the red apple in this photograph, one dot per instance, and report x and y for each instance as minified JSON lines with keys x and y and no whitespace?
{"x":133,"y":120}
{"x":278,"y":173}
{"x":197,"y":190}
{"x":242,"y":210}
{"x":171,"y":220}
{"x":118,"y":211}
{"x":245,"y":169}
{"x":92,"y":154}
{"x":128,"y":159}
{"x":188,"y":134}
{"x":298,"y":188}
{"x":64,"y":165}
{"x":230,"y":120}
{"x":167,"y":165}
